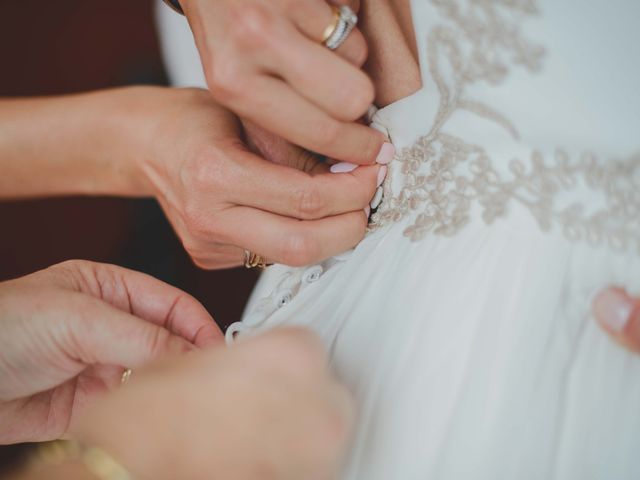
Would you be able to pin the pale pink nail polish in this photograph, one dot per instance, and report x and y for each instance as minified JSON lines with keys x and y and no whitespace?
{"x":387,"y":152}
{"x":343,"y":167}
{"x":367,"y":211}
{"x":613,"y":308}
{"x":382,"y":174}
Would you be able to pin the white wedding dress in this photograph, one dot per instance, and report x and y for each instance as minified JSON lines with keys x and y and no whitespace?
{"x":462,"y":321}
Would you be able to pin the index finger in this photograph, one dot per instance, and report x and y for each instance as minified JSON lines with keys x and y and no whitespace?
{"x":290,"y":192}
{"x":289,"y":241}
{"x":156,"y":302}
{"x":289,"y":115}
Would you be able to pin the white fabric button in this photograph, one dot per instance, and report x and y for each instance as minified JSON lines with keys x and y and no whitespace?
{"x":233,"y":331}
{"x":283,"y":298}
{"x":312,"y":274}
{"x":377,"y":199}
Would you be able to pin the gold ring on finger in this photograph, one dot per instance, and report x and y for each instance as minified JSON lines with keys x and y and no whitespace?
{"x":126,"y":375}
{"x":344,"y":21}
{"x":253,"y":260}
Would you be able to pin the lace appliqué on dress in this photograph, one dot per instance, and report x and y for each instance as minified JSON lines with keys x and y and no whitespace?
{"x":444,"y":177}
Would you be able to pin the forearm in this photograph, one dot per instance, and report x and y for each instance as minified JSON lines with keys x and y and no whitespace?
{"x":73,"y":145}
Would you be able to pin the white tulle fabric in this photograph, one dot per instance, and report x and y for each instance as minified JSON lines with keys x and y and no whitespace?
{"x":462,"y":322}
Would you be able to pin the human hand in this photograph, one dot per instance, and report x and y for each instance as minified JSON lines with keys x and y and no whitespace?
{"x":265,"y":62}
{"x":67,"y":332}
{"x":266,"y":407}
{"x":221,"y":198}
{"x":619,"y":314}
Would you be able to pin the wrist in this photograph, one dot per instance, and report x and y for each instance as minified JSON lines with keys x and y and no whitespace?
{"x":129,"y":125}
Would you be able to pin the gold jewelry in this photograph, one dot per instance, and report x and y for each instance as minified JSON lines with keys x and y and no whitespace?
{"x":126,"y":375}
{"x":95,"y":460}
{"x":331,"y":28}
{"x":253,"y":260}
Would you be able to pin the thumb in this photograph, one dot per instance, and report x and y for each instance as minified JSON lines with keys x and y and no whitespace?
{"x":619,"y":314}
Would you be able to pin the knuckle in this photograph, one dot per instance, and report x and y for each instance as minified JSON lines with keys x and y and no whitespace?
{"x":82,"y":274}
{"x":299,"y":249}
{"x":206,"y":172}
{"x":310,"y":201}
{"x":254,"y":25}
{"x":71,"y":265}
{"x":358,"y":95}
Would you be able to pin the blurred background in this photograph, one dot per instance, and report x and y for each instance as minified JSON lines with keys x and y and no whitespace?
{"x":65,"y":46}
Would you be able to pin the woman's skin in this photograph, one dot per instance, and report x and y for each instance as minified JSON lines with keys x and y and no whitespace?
{"x":67,"y":332}
{"x":195,"y":158}
{"x":265,"y":62}
{"x":618,"y":313}
{"x":393,"y":57}
{"x":266,"y":408}
{"x":192,"y":409}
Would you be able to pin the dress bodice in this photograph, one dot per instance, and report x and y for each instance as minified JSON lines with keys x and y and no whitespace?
{"x":462,"y":322}
{"x":528,"y":110}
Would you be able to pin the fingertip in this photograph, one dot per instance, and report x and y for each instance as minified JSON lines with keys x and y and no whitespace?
{"x":379,"y":151}
{"x":613,"y":308}
{"x":208,"y":336}
{"x":386,"y":153}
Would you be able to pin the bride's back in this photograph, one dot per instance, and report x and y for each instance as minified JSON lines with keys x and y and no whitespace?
{"x":462,"y":322}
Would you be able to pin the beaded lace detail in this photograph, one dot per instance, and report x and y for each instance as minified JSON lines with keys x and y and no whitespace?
{"x":445,"y":177}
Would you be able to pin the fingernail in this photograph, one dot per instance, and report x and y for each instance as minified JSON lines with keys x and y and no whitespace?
{"x":367,"y":211}
{"x":613,"y":308}
{"x":387,"y":152}
{"x":343,"y":167}
{"x":382,"y":174}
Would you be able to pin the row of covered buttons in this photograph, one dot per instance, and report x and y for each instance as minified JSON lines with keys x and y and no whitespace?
{"x":283,"y":295}
{"x":310,"y":275}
